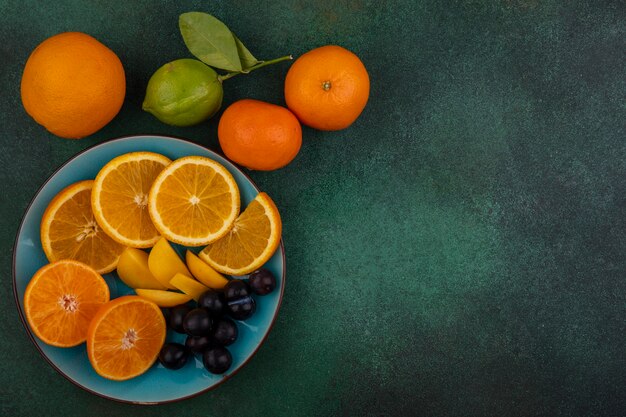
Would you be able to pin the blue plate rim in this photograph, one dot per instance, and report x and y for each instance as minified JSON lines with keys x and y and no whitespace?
{"x":25,"y":323}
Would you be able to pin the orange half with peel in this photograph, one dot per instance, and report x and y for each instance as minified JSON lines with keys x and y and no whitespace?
{"x":124,"y":337}
{"x":61,"y":299}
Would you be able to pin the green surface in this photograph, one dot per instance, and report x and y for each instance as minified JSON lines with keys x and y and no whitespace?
{"x":459,"y":250}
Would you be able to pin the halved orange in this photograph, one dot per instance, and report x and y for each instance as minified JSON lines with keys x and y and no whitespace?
{"x":250,"y":243}
{"x":120,"y":197}
{"x":61,"y":299}
{"x":69,"y":230}
{"x":194,"y":201}
{"x":125,"y":337}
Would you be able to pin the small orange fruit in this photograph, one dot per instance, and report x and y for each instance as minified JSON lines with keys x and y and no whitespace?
{"x":61,"y":299}
{"x":327,"y":88}
{"x":125,"y":337}
{"x":259,"y":135}
{"x":250,"y":243}
{"x":69,"y":230}
{"x":73,"y":85}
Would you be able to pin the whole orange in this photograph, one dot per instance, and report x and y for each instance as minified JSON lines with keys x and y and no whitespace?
{"x":259,"y":135}
{"x":73,"y":85}
{"x":327,"y":88}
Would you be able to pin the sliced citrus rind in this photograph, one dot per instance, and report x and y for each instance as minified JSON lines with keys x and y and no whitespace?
{"x":61,"y":299}
{"x":69,"y":230}
{"x":194,"y":201}
{"x":251,"y":242}
{"x":120,"y":198}
{"x":124,"y":337}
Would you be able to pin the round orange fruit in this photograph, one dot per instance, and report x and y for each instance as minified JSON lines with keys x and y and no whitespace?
{"x":327,"y":88}
{"x":61,"y":299}
{"x":73,"y":85}
{"x":259,"y":135}
{"x":124,"y":337}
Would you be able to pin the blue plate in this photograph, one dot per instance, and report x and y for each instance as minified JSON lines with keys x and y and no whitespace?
{"x":158,"y":385}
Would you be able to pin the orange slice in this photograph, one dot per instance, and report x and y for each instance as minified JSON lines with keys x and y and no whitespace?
{"x":125,"y":337}
{"x":69,"y":230}
{"x":250,"y":243}
{"x":194,"y":201}
{"x":61,"y":299}
{"x":120,"y":198}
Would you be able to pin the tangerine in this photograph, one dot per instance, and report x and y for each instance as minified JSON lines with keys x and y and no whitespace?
{"x":327,"y":88}
{"x":259,"y":135}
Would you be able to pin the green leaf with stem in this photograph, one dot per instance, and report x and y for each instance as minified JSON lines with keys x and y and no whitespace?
{"x":245,"y":56}
{"x":261,"y":64}
{"x":210,"y":41}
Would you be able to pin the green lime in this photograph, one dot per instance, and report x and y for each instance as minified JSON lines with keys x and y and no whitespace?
{"x":184,"y":92}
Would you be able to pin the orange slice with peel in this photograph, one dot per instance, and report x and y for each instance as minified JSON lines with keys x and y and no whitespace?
{"x":61,"y":299}
{"x":120,"y":198}
{"x":69,"y":230}
{"x":194,"y":201}
{"x":124,"y":337}
{"x":250,"y":243}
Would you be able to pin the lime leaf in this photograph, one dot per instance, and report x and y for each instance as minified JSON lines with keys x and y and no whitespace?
{"x":209,"y":40}
{"x":245,"y":56}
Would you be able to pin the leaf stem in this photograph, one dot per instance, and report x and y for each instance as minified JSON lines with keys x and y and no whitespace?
{"x":254,"y":67}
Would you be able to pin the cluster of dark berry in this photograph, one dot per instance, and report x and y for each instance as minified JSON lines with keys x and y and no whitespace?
{"x":207,"y":325}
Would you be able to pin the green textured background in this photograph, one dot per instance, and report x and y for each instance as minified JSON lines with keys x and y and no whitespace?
{"x":460,"y":250}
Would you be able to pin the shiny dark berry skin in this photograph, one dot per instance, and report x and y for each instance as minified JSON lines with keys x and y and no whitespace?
{"x":225,"y":332}
{"x":235,"y":289}
{"x":241,"y":308}
{"x":262,"y":282}
{"x":173,"y":355}
{"x":213,"y":301}
{"x":198,"y":344}
{"x":197,"y":322}
{"x":176,"y":316}
{"x":217,"y":359}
